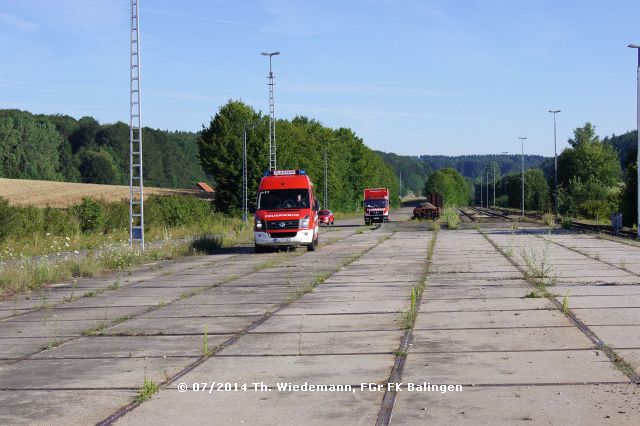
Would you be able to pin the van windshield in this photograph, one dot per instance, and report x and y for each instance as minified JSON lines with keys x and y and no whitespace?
{"x":278,"y":199}
{"x":379,"y":203}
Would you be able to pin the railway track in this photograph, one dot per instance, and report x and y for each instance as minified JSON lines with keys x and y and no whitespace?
{"x":583,"y":226}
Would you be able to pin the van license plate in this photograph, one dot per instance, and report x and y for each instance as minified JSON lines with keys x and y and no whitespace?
{"x":282,"y":240}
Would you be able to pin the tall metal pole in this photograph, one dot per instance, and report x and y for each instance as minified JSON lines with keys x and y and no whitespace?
{"x":400,"y":184}
{"x":555,"y":168}
{"x":494,"y":184}
{"x":272,"y":114}
{"x":480,"y":189}
{"x":488,"y":187}
{"x":635,"y":46}
{"x":504,"y":182}
{"x":136,"y":188}
{"x":244,"y":176}
{"x":522,"y":141}
{"x":326,"y":181}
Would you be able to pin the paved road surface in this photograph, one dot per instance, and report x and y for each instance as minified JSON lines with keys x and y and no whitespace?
{"x":331,"y":317}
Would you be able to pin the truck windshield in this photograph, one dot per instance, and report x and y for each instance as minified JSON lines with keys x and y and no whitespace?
{"x":278,"y":199}
{"x":375,"y":203}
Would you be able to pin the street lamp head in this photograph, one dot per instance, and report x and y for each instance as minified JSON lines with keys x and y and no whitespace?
{"x":634,"y":46}
{"x":522,"y":138}
{"x":554,"y":111}
{"x":270,"y":53}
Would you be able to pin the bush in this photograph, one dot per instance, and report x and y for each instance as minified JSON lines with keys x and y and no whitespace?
{"x":59,"y":222}
{"x":90,"y":215}
{"x":206,"y":244}
{"x":8,"y":219}
{"x":177,"y":210}
{"x":30,"y":221}
{"x":566,"y":222}
{"x":116,"y":216}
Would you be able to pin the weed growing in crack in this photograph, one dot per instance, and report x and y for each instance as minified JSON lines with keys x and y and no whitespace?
{"x":205,"y":343}
{"x":54,"y":344}
{"x":565,"y":303}
{"x":537,"y":261}
{"x":147,"y":390}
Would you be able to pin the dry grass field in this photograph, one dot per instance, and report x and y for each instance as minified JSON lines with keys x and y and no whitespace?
{"x":41,"y":193}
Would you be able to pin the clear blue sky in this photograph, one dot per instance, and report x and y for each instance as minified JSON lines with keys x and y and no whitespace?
{"x":411,"y":77}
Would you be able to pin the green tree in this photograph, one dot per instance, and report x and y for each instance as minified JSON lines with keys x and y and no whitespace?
{"x":220,"y":152}
{"x":28,"y":147}
{"x":97,"y":166}
{"x":628,"y":203}
{"x":588,"y":159}
{"x":454,"y":188}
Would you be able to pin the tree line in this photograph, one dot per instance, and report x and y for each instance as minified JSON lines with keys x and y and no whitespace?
{"x":596,"y":177}
{"x":61,"y":148}
{"x":301,"y":144}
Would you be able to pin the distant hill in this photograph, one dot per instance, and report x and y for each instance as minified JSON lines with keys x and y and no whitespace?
{"x":416,"y":169}
{"x":61,"y":148}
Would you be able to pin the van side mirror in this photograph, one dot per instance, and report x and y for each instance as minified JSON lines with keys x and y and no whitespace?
{"x":316,"y":205}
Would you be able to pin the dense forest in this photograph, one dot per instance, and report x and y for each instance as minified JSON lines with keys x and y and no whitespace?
{"x":59,"y":147}
{"x":416,"y":170}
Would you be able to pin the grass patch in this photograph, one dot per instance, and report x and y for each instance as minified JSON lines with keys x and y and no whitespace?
{"x":549,"y":219}
{"x":147,"y":390}
{"x":96,"y":329}
{"x":115,"y":285}
{"x":565,"y":303}
{"x":54,"y":344}
{"x":620,"y":363}
{"x":206,"y":244}
{"x":205,"y":343}
{"x":532,"y":295}
{"x":451,"y":217}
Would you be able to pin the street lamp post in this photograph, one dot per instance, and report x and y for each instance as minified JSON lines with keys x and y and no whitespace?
{"x":488,"y":187}
{"x":480,"y":189}
{"x":272,"y":115}
{"x":555,"y":164}
{"x":504,"y":182}
{"x":635,"y":46}
{"x":522,"y":142}
{"x":494,"y":184}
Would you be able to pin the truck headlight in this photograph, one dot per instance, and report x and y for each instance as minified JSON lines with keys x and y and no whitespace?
{"x":258,"y":224}
{"x":304,"y":222}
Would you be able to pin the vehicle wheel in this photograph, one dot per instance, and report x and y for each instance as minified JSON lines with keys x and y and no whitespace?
{"x":332,"y":223}
{"x":260,"y":249}
{"x":367,"y":223}
{"x":313,"y":246}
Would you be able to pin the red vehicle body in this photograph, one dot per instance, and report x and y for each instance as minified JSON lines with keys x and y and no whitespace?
{"x":286,"y":211}
{"x":376,"y":205}
{"x":326,"y":216}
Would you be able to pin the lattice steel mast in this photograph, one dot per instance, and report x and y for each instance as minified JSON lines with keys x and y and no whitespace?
{"x":136,"y":192}
{"x":272,"y":114}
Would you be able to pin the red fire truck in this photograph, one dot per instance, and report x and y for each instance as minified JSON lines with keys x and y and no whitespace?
{"x":286,"y":211}
{"x":376,"y":205}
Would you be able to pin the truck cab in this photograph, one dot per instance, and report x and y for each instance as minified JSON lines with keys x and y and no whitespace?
{"x":286,"y":211}
{"x":376,"y":205}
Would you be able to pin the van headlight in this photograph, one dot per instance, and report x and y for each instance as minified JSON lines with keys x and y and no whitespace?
{"x":258,"y":224}
{"x":304,"y":222}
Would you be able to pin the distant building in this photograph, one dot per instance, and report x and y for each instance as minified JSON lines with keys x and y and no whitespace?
{"x":204,"y":190}
{"x":202,"y":186}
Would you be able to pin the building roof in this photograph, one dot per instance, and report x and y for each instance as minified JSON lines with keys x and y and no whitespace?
{"x":204,"y":187}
